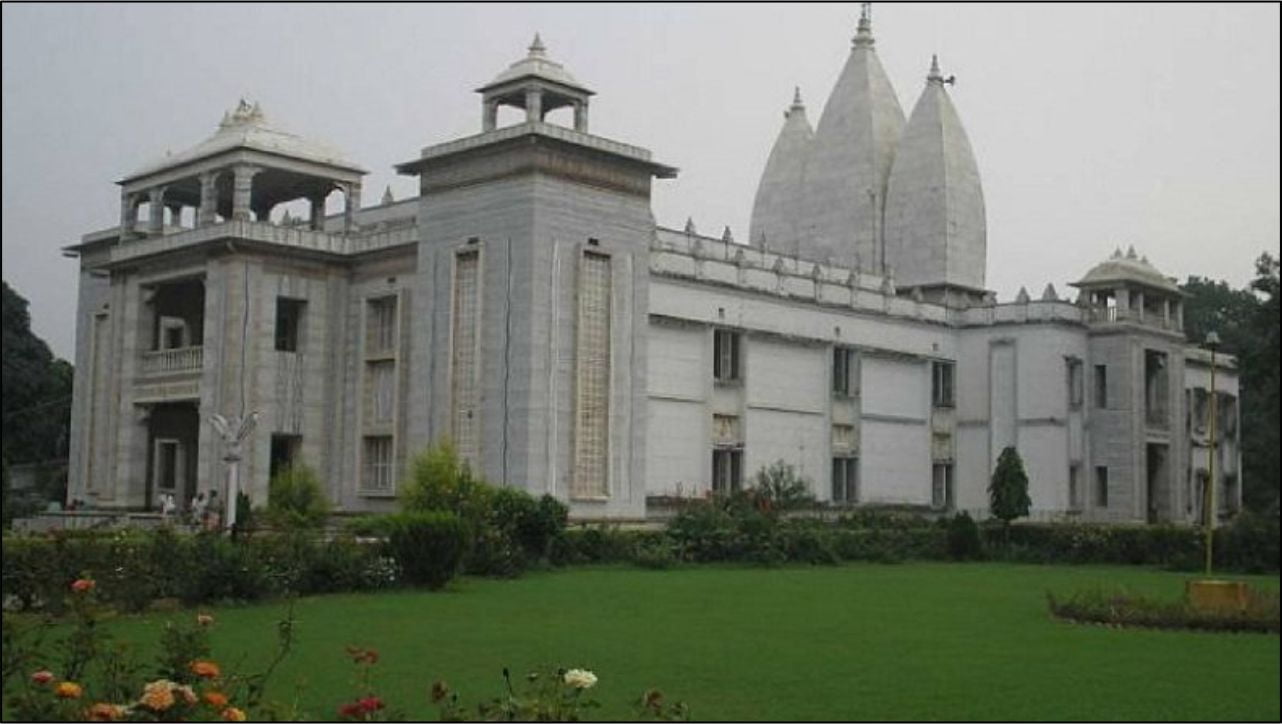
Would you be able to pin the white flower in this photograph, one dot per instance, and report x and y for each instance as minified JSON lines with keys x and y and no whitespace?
{"x":580,"y":678}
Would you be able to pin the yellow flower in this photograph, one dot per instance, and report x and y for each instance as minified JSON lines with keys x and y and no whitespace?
{"x":68,"y":690}
{"x":204,"y":619}
{"x":205,"y":669}
{"x":231,"y":713}
{"x":158,"y":695}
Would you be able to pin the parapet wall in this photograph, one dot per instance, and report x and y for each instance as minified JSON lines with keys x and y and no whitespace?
{"x":718,"y":262}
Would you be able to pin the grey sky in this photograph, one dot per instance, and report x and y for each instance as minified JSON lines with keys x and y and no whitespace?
{"x":1094,"y":126}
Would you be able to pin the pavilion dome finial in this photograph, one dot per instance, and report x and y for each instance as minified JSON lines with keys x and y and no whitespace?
{"x":537,"y":48}
{"x":934,"y":73}
{"x":863,"y":33}
{"x":797,"y":105}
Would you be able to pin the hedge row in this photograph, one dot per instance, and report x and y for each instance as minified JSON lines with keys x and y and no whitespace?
{"x":1123,"y":609}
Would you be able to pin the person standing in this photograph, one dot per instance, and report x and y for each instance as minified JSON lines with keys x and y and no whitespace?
{"x":213,"y":512}
{"x":198,"y":509}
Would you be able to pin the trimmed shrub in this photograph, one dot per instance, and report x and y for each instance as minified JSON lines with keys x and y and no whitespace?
{"x":439,"y":480}
{"x":1249,"y":543}
{"x":1123,"y":609}
{"x":963,"y":539}
{"x":296,"y":500}
{"x":429,"y":547}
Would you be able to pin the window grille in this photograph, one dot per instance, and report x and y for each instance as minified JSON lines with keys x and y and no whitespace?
{"x":466,"y":413}
{"x":380,"y":326}
{"x":381,"y":395}
{"x":378,"y":464}
{"x":727,"y":470}
{"x":725,"y":356}
{"x":942,"y":486}
{"x":845,"y":372}
{"x":845,"y":480}
{"x":592,"y":413}
{"x":941,"y":387}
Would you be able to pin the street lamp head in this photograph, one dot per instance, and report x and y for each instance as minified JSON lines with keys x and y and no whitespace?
{"x":1212,"y":339}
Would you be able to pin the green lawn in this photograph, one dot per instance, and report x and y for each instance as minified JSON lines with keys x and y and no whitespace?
{"x":884,"y":642}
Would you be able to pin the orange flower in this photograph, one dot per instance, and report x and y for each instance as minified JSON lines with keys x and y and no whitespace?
{"x":216,"y":699}
{"x":105,"y":712}
{"x":83,"y":585}
{"x":205,"y":669}
{"x":231,"y":713}
{"x":68,"y":690}
{"x":204,"y":619}
{"x":158,"y":695}
{"x":42,"y":677}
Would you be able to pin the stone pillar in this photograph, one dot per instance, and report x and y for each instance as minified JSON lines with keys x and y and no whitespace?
{"x":1179,"y":316}
{"x":1166,"y":313}
{"x":581,"y":116}
{"x":128,"y":215}
{"x":1123,"y":296}
{"x":175,"y":214}
{"x":351,"y":204}
{"x":1139,"y":306}
{"x":317,"y":221}
{"x":489,"y":115}
{"x":533,"y":105}
{"x":242,"y":192}
{"x":156,"y":199}
{"x":207,"y":212}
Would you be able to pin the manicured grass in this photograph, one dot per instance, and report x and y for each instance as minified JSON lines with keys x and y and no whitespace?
{"x":882,"y":642}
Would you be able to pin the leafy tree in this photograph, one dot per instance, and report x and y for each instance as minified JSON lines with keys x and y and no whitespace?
{"x":1008,"y":491}
{"x":35,"y":393}
{"x":778,"y":487}
{"x":1247,"y":322}
{"x":295,"y":499}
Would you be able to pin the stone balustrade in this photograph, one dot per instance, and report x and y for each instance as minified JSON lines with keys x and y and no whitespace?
{"x":262,"y":232}
{"x":173,"y":361}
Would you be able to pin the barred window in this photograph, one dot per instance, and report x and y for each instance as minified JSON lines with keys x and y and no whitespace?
{"x":1101,"y":486}
{"x":727,"y":469}
{"x":942,"y":486}
{"x":941,"y":387}
{"x":845,"y":480}
{"x":845,"y":372}
{"x":725,"y":355}
{"x":592,"y":398}
{"x":380,"y":326}
{"x":289,"y":319}
{"x":378,"y":464}
{"x":381,"y":391}
{"x":1074,"y":383}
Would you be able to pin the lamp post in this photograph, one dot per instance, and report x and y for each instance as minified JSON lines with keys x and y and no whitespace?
{"x":1212,"y":341}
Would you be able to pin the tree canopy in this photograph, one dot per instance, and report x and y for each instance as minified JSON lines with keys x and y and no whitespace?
{"x":35,"y":399}
{"x":1247,"y":322}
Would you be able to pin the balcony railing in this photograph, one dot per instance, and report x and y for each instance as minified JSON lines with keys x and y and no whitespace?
{"x":171,"y":361}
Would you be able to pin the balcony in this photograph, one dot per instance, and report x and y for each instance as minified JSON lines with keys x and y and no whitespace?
{"x":173,"y":361}
{"x":294,"y":237}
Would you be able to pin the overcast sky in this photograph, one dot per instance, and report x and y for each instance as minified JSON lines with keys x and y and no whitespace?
{"x":1093,"y":125}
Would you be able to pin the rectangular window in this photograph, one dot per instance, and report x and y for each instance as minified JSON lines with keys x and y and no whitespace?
{"x":1101,"y":486}
{"x":845,"y":480}
{"x":941,"y":384}
{"x":380,"y":326}
{"x":284,"y":452}
{"x":1101,"y":387}
{"x":289,"y":319}
{"x":1074,"y":487}
{"x":377,"y":475}
{"x":725,"y":355}
{"x":845,"y":372}
{"x":168,"y":462}
{"x":1074,"y":383}
{"x":592,"y":383}
{"x":463,"y":363}
{"x":727,"y":469}
{"x":941,"y":496}
{"x":380,"y":380}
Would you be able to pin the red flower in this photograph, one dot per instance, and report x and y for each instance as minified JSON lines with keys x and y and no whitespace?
{"x":42,"y":677}
{"x":83,"y":585}
{"x":370,"y":703}
{"x":349,"y":711}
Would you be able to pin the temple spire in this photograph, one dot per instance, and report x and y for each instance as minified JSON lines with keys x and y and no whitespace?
{"x":863,"y":34}
{"x":797,"y":105}
{"x":934,"y":69}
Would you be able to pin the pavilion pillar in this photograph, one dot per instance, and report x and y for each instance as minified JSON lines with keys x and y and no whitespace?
{"x":207,"y":212}
{"x":156,"y":202}
{"x":128,"y":215}
{"x":242,"y":192}
{"x":317,"y":220}
{"x":581,"y":116}
{"x":489,"y":115}
{"x":351,"y":204}
{"x":533,"y":105}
